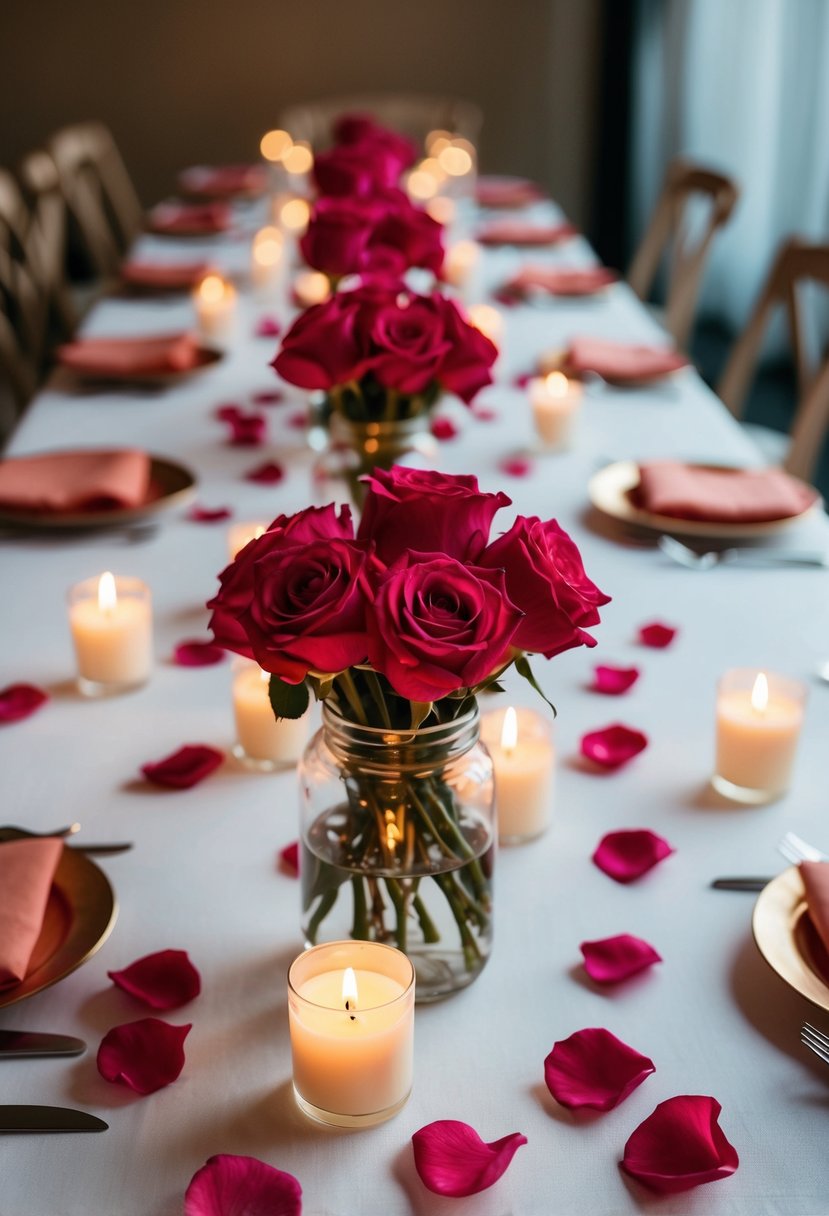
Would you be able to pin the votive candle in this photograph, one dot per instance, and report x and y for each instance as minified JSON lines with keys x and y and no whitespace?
{"x":111,"y":624}
{"x":239,"y":535}
{"x":262,"y":740}
{"x":214,"y":300}
{"x":759,"y":716}
{"x":523,"y":758}
{"x":556,"y":404}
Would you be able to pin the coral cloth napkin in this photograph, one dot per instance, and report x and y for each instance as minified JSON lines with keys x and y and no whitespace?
{"x":621,"y":360}
{"x":506,"y":232}
{"x":203,"y":219}
{"x":163,"y":276}
{"x":507,"y":192}
{"x":159,"y":354}
{"x":75,"y":481}
{"x":683,"y":491}
{"x":560,"y":282}
{"x":223,"y":180}
{"x":26,"y":871}
{"x":815,"y":875}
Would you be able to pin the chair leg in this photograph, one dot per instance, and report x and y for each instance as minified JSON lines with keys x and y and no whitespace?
{"x":810,"y":427}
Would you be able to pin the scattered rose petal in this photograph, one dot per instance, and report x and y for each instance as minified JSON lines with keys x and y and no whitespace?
{"x":485,"y":413}
{"x":227,"y":1185}
{"x":443,"y":428}
{"x":268,"y":474}
{"x":508,"y":298}
{"x":523,"y":380}
{"x":613,"y":681}
{"x":452,"y":1159}
{"x":208,"y":515}
{"x":247,"y":430}
{"x":516,"y":466}
{"x":267,"y":327}
{"x":593,"y":1068}
{"x":289,"y":858}
{"x":298,"y":420}
{"x":628,"y":854}
{"x":227,"y":413}
{"x":184,"y":768}
{"x":657,"y":635}
{"x":680,"y":1146}
{"x":270,"y":396}
{"x":194,"y":653}
{"x":613,"y":959}
{"x":19,"y":701}
{"x":613,"y":746}
{"x":145,"y":1055}
{"x":163,"y":980}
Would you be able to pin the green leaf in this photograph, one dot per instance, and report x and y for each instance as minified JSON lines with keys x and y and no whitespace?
{"x":522,"y":666}
{"x":288,"y":700}
{"x":420,"y":712}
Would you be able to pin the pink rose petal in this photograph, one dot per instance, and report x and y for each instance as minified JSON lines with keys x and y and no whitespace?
{"x":194,"y":653}
{"x":227,"y":413}
{"x":247,"y":430}
{"x":289,"y":858}
{"x":680,"y":1145}
{"x":19,"y":701}
{"x":298,"y":420}
{"x":523,"y":380}
{"x":163,"y":980}
{"x":613,"y":681}
{"x":268,"y":474}
{"x":613,"y":959}
{"x":613,"y":746}
{"x":270,"y":396}
{"x":267,"y":327}
{"x":145,"y":1055}
{"x":443,"y":428}
{"x":593,"y":1068}
{"x":452,"y":1159}
{"x":184,"y":768}
{"x":657,"y":635}
{"x":516,"y":466}
{"x":227,"y":1185}
{"x":208,"y":515}
{"x":628,"y":854}
{"x":485,"y":413}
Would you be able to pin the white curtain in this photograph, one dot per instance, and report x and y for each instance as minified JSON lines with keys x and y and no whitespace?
{"x":742,"y":86}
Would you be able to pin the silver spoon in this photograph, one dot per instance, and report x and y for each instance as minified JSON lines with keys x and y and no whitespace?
{"x":684,"y":556}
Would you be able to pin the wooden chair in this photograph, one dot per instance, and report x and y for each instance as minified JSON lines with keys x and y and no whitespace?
{"x":22,"y":334}
{"x":47,"y":251}
{"x":672,"y":232}
{"x":797,"y":262}
{"x":411,"y":114}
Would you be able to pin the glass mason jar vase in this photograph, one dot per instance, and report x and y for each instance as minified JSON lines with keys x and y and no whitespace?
{"x":357,"y":448}
{"x":398,"y":844}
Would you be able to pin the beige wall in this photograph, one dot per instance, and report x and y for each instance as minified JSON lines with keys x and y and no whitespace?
{"x":182,"y":82}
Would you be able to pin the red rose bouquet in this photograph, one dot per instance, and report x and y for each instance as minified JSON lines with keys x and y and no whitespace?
{"x":363,"y":235}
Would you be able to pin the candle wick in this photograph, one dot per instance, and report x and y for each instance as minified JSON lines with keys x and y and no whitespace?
{"x":348,"y":1010}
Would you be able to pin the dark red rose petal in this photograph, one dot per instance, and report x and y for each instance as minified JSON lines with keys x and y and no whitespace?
{"x":247,"y":430}
{"x":271,"y":396}
{"x":208,"y":515}
{"x":613,"y":746}
{"x":613,"y":959}
{"x":452,"y":1159}
{"x":163,"y":980}
{"x":680,"y":1146}
{"x":613,"y":681}
{"x":485,"y":413}
{"x":267,"y":327}
{"x":19,"y":701}
{"x":523,"y":380}
{"x":298,"y":420}
{"x":144,"y":1055}
{"x":657,"y":635}
{"x":593,"y":1068}
{"x":443,"y":428}
{"x":227,"y":413}
{"x":194,"y":653}
{"x":228,"y":1185}
{"x":268,"y":474}
{"x":184,"y":768}
{"x":628,"y":854}
{"x":289,"y":858}
{"x":516,"y":466}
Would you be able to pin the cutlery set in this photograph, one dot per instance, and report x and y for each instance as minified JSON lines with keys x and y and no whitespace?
{"x":683,"y":555}
{"x":793,"y":847}
{"x":24,"y":1044}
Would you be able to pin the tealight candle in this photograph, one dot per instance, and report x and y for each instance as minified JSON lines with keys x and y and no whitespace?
{"x":111,"y":624}
{"x":759,"y":715}
{"x":266,"y":259}
{"x":460,"y":268}
{"x":263,"y":741}
{"x":523,"y":759}
{"x":238,"y":535}
{"x":214,"y":300}
{"x":293,"y":216}
{"x":488,"y":320}
{"x":351,"y":1018}
{"x":556,"y":402}
{"x":311,"y":287}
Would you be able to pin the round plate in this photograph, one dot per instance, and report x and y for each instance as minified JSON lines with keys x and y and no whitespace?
{"x":80,"y":913}
{"x":207,"y":356}
{"x":788,"y":940}
{"x":171,"y":485}
{"x":609,"y":491}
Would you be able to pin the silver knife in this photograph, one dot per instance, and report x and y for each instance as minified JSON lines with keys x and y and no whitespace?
{"x":48,"y":1119}
{"x":14,"y":1043}
{"x":740,"y":884}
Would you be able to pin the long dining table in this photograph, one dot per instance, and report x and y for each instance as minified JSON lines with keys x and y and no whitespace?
{"x":203,"y":875}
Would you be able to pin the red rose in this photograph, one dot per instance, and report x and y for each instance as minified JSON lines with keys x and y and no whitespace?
{"x":438,"y":512}
{"x":352,"y":127}
{"x":437,"y":626}
{"x":412,"y":232}
{"x":410,"y":344}
{"x":338,"y":234}
{"x":357,"y":170}
{"x":322,"y":347}
{"x":545,"y":577}
{"x":362,"y":129}
{"x":466,"y":369}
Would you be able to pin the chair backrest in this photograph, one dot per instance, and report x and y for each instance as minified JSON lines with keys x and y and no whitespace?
{"x":48,"y":237}
{"x":796,"y":263}
{"x":694,"y":203}
{"x":22,"y":329}
{"x":411,"y":114}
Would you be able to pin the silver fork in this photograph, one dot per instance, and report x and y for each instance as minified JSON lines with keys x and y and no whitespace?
{"x":816,"y":1041}
{"x":10,"y":832}
{"x":794,"y":848}
{"x":685,"y":556}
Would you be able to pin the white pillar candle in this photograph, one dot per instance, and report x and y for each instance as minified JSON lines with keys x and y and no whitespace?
{"x":238,"y":535}
{"x":311,"y":287}
{"x":488,"y":320}
{"x":351,"y":1018}
{"x":214,"y":300}
{"x":264,"y":741}
{"x":759,"y":716}
{"x":523,"y":758}
{"x":461,"y":269}
{"x":266,"y":260}
{"x":111,"y":624}
{"x":556,"y":403}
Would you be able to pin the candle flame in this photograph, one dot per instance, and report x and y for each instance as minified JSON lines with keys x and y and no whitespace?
{"x":421,"y":185}
{"x":264,"y":676}
{"x":509,"y":731}
{"x":441,"y":209}
{"x":295,"y":214}
{"x":437,"y":140}
{"x":760,"y":693}
{"x":487,"y":319}
{"x":455,"y":160}
{"x":350,"y":989}
{"x":312,"y":287}
{"x":556,"y":384}
{"x":274,"y":144}
{"x":212,"y":288}
{"x":267,"y":246}
{"x":107,"y":595}
{"x":298,"y":159}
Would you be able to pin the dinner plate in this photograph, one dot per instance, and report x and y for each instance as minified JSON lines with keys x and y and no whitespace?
{"x":171,"y":485}
{"x":788,"y":940}
{"x":80,"y":913}
{"x":206,"y":356}
{"x":610,"y":492}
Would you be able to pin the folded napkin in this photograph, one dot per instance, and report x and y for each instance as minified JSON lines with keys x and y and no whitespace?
{"x":815,"y":875}
{"x":159,"y":354}
{"x":75,"y":481}
{"x":507,"y":192}
{"x":205,"y":219}
{"x":686,"y":491}
{"x":560,"y":281}
{"x":223,"y":180}
{"x":164,"y":276}
{"x":621,"y":360}
{"x":26,"y":871}
{"x":508,"y":232}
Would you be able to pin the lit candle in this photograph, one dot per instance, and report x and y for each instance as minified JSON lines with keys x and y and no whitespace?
{"x":759,"y":715}
{"x":238,"y":535}
{"x":351,"y":1017}
{"x":460,"y":268}
{"x":298,"y":161}
{"x":111,"y":624}
{"x":442,"y":209}
{"x":274,"y":145}
{"x":311,"y":287}
{"x":215,"y":302}
{"x":488,"y":320}
{"x":293,"y":215}
{"x":263,"y":741}
{"x":523,"y":759}
{"x":556,"y":402}
{"x":266,"y":259}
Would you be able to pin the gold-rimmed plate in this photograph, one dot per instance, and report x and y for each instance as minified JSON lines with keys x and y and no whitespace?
{"x":788,"y":940}
{"x":611,"y":491}
{"x":206,"y":357}
{"x":80,"y":913}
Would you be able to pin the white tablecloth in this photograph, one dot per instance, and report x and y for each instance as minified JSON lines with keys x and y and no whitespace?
{"x":202,"y":876}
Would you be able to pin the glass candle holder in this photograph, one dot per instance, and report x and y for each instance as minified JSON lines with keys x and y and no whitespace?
{"x":556,"y":404}
{"x":239,"y":535}
{"x":112,"y":631}
{"x":351,"y":1018}
{"x":262,"y":741}
{"x":759,"y":716}
{"x":214,"y":301}
{"x":523,"y":759}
